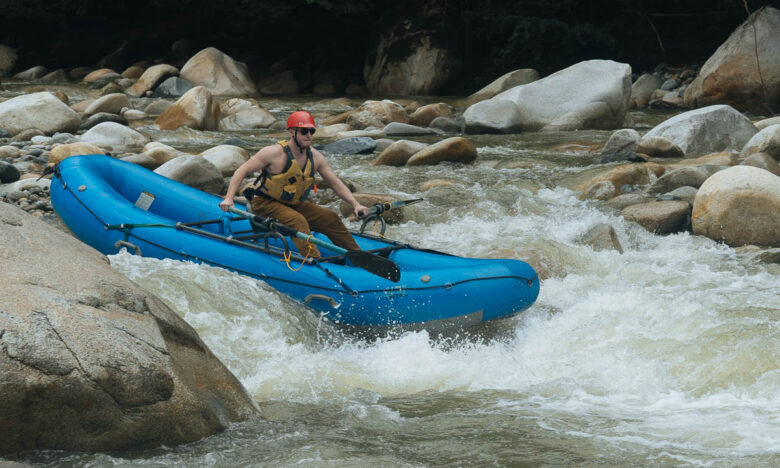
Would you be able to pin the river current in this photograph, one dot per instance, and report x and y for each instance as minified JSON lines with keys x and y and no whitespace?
{"x":665,"y":355}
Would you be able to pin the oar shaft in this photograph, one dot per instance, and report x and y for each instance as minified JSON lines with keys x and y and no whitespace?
{"x":287,"y":230}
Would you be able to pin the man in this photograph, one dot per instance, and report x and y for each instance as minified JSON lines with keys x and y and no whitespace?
{"x":286,"y":177}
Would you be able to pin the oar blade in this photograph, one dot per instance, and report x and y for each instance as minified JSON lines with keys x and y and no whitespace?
{"x":375,"y":264}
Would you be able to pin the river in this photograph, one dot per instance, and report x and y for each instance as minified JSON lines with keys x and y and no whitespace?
{"x":665,"y":355}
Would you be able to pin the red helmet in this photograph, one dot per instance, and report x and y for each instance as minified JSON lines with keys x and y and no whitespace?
{"x":300,"y":119}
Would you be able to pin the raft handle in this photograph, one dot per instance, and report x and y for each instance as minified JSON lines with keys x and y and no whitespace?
{"x":321,"y":297}
{"x":121,"y":243}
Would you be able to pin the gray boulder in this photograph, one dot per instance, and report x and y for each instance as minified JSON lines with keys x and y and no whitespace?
{"x":493,"y":116}
{"x":195,"y":171}
{"x":765,"y":141}
{"x":172,"y":87}
{"x":708,"y":130}
{"x":353,"y":145}
{"x":591,"y":94}
{"x":38,"y":110}
{"x":90,"y":361}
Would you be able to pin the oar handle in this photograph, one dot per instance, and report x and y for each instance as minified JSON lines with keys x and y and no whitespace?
{"x":380,"y":208}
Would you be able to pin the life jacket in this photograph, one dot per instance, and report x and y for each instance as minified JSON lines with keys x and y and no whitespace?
{"x":291,"y":186}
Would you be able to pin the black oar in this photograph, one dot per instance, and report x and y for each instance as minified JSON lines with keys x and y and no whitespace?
{"x":380,"y":208}
{"x":375,"y":264}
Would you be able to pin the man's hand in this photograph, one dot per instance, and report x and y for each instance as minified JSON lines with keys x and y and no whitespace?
{"x":360,"y":210}
{"x":225,"y":204}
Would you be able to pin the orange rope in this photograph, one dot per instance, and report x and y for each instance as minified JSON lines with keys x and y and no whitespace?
{"x":287,"y":256}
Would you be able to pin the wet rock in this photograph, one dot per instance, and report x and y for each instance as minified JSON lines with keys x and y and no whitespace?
{"x":762,"y":124}
{"x":763,"y":161}
{"x":91,"y":361}
{"x":503,"y":83}
{"x":38,"y":110}
{"x":7,"y":59}
{"x":424,"y":115}
{"x":627,"y":199}
{"x":143,"y":160}
{"x":684,"y":176}
{"x":8,"y":173}
{"x":493,"y":116}
{"x":60,"y":152}
{"x":707,"y":130}
{"x":739,"y":206}
{"x":196,"y":109}
{"x":219,"y":73}
{"x":455,"y":149}
{"x":398,"y":153}
{"x":684,"y":193}
{"x":660,"y":217}
{"x":239,"y":142}
{"x":115,"y":137}
{"x":94,"y":75}
{"x":732,"y":76}
{"x":194,"y":171}
{"x":27,"y":135}
{"x":399,"y":129}
{"x":447,"y":125}
{"x":133,"y":72}
{"x":603,"y":190}
{"x":173,"y":87}
{"x":766,"y":256}
{"x":243,"y":114}
{"x":161,"y":153}
{"x":355,"y":145}
{"x":157,"y":107}
{"x":33,"y":73}
{"x":132,"y":114}
{"x":151,"y":77}
{"x":659,"y":147}
{"x":765,"y":141}
{"x":601,"y":237}
{"x":377,"y":114}
{"x":101,"y":117}
{"x":111,"y":103}
{"x":57,"y":76}
{"x":643,"y":88}
{"x":226,"y":158}
{"x":338,"y":118}
{"x":104,"y":80}
{"x":330,"y":131}
{"x":630,"y":174}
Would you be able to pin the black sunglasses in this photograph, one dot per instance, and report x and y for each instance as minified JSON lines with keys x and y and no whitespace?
{"x":306,"y":131}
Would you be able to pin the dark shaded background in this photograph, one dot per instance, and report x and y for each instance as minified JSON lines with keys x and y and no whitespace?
{"x":322,"y":38}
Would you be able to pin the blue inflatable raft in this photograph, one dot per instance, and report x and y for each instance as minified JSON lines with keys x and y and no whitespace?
{"x":111,"y":204}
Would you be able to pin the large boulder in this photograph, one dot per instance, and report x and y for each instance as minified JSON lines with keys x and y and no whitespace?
{"x":7,"y":59}
{"x":61,"y":152}
{"x":152,"y":77}
{"x":115,"y":137}
{"x":455,"y":149}
{"x":708,"y":130}
{"x":398,"y":153}
{"x":765,"y":141}
{"x":244,"y":114}
{"x":493,"y":116}
{"x":643,"y":88}
{"x":502,"y":83}
{"x":196,"y":109}
{"x":412,"y":56}
{"x":739,"y":206}
{"x":227,"y":158}
{"x":745,"y":70}
{"x":591,"y":94}
{"x":195,"y":171}
{"x":218,"y":72}
{"x":38,"y":110}
{"x":377,"y":114}
{"x":110,"y":103}
{"x":660,"y":217}
{"x":90,"y":361}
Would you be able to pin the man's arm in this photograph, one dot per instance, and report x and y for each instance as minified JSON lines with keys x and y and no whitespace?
{"x":259,"y":161}
{"x":321,"y":165}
